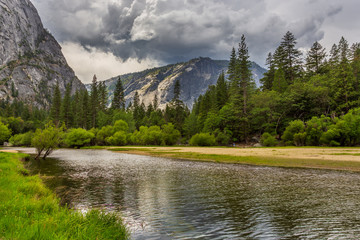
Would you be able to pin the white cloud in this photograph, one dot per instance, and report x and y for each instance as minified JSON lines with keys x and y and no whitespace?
{"x":87,"y":62}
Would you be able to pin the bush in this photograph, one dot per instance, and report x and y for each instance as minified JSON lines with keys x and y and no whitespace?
{"x":202,"y":139}
{"x":103,"y":134}
{"x":170,"y":134}
{"x":118,"y":139}
{"x":268,"y":140}
{"x":78,"y":137}
{"x":295,"y":127}
{"x":5,"y":133}
{"x":222,"y":138}
{"x":153,"y":136}
{"x":22,"y":139}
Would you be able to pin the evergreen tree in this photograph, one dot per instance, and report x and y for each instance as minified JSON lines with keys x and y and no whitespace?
{"x":66,"y":113}
{"x":103,"y":95}
{"x":315,"y":58}
{"x":94,"y":101}
{"x":56,"y":105}
{"x":156,"y":102}
{"x":76,"y":106}
{"x":288,"y":58}
{"x":267,"y":80}
{"x":232,"y":66}
{"x":279,"y":84}
{"x":85,"y":120}
{"x":118,"y":101}
{"x":221,"y":91}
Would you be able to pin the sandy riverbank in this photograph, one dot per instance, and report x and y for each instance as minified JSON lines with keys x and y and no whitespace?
{"x":308,"y":157}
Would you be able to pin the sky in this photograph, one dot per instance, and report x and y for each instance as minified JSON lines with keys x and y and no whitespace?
{"x":113,"y":37}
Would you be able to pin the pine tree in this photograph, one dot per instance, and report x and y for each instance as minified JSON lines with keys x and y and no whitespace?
{"x":221,"y":91}
{"x":279,"y":84}
{"x":85,"y":120}
{"x":156,"y":102}
{"x":315,"y":58}
{"x":232,"y":66}
{"x":94,"y":101}
{"x":66,"y":113}
{"x":103,"y":95}
{"x":118,"y":101}
{"x":267,"y":80}
{"x":288,"y":58}
{"x":76,"y":105}
{"x":56,"y":105}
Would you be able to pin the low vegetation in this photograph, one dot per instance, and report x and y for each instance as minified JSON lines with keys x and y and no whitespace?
{"x":29,"y":210}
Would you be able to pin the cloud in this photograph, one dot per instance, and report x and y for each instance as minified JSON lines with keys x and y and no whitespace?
{"x":89,"y":61}
{"x":176,"y":30}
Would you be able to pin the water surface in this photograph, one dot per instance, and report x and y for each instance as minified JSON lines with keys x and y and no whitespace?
{"x":174,"y":199}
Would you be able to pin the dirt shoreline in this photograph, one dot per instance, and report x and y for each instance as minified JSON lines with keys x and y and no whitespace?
{"x":303,"y":157}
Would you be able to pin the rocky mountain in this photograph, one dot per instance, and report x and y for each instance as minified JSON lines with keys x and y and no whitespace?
{"x":31,"y":61}
{"x":195,"y":76}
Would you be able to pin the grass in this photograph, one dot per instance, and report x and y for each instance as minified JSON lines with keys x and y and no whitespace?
{"x":29,"y":210}
{"x":249,"y":160}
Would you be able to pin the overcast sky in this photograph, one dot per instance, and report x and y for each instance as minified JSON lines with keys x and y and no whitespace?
{"x":112,"y":37}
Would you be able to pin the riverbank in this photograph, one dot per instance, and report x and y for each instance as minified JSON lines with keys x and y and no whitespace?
{"x":29,"y":210}
{"x":301,"y":157}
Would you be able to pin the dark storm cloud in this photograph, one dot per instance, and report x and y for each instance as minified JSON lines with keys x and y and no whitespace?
{"x":177,"y":30}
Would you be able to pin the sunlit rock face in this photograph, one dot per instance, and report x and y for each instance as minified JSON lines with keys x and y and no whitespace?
{"x":195,"y":76}
{"x":31,"y":61}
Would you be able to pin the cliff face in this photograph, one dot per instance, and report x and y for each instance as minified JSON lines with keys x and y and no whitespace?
{"x":31,"y":61}
{"x":195,"y":76}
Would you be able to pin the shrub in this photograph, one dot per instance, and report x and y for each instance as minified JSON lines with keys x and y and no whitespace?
{"x":268,"y":140}
{"x":103,"y":134}
{"x":22,"y":139}
{"x":153,"y":136}
{"x":202,"y":139}
{"x":5,"y":133}
{"x":222,"y":137}
{"x":295,"y":127}
{"x":78,"y":137}
{"x":170,"y":134}
{"x":118,"y":139}
{"x":121,"y":125}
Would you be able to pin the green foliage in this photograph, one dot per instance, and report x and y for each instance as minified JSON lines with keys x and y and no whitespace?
{"x":170,"y":134}
{"x":23,"y":139}
{"x":295,"y":133}
{"x":78,"y":137}
{"x":268,"y":140}
{"x":5,"y":133}
{"x":202,"y":139}
{"x":103,"y":134}
{"x":47,"y":140}
{"x":118,"y":139}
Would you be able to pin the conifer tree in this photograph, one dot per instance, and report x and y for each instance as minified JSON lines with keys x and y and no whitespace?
{"x":56,"y":105}
{"x":94,"y":101}
{"x":156,"y":102}
{"x":279,"y":84}
{"x":66,"y":113}
{"x":232,"y":65}
{"x":85,"y":121}
{"x":103,"y":95}
{"x":221,"y":91}
{"x":288,"y":57}
{"x":118,"y":101}
{"x":315,"y":58}
{"x":267,"y":80}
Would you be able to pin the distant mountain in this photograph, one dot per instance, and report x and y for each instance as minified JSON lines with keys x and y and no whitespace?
{"x":31,"y":61}
{"x":195,"y":77}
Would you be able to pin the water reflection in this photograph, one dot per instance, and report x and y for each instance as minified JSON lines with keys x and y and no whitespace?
{"x":174,"y":199}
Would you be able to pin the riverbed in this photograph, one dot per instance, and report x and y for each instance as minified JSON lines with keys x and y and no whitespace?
{"x":162,"y":198}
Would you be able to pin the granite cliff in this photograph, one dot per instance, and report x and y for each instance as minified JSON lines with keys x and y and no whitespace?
{"x":31,"y":61}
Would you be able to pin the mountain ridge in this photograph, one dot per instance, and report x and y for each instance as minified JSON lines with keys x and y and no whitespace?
{"x":195,"y":77}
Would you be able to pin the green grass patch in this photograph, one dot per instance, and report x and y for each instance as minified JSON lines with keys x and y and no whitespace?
{"x":350,"y":154}
{"x":29,"y":210}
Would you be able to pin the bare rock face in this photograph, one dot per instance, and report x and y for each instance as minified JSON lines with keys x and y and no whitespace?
{"x":31,"y":61}
{"x":195,"y":76}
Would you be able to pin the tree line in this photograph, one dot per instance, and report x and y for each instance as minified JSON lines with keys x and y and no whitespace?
{"x":300,"y":95}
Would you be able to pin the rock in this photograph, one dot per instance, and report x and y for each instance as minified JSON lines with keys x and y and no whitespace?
{"x":195,"y":76}
{"x":257,"y":145}
{"x":31,"y":61}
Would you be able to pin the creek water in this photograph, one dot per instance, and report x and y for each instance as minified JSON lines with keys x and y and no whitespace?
{"x":162,"y":198}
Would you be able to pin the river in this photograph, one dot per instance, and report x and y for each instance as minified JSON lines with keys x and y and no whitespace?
{"x":161,"y":198}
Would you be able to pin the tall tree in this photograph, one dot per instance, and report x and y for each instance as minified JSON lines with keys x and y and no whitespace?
{"x":103,"y":96}
{"x":94,"y":101}
{"x":221,"y":91}
{"x":288,"y":57}
{"x":267,"y":80}
{"x":232,"y":65}
{"x":56,"y":105}
{"x":315,"y":58}
{"x":118,"y":101}
{"x":66,"y":113}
